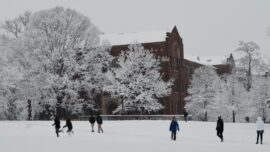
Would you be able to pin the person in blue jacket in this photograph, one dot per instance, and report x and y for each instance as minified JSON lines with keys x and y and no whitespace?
{"x":173,"y":128}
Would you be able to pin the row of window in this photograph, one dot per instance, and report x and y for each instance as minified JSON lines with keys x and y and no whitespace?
{"x":175,"y":63}
{"x":177,"y":86}
{"x":174,"y":106}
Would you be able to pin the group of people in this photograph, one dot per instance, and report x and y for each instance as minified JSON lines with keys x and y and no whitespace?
{"x":174,"y":127}
{"x":92,"y":120}
{"x":259,"y":128}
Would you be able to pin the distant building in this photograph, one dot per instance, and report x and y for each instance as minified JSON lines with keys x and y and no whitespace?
{"x":165,"y":44}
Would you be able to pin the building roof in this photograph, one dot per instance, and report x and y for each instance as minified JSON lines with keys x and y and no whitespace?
{"x":156,"y":36}
{"x":211,"y":60}
{"x":135,"y":37}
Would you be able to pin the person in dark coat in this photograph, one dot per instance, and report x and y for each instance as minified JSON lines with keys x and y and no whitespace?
{"x":99,"y":122}
{"x":57,"y":125}
{"x":174,"y":127}
{"x":69,"y":126}
{"x":185,"y":116}
{"x":220,"y":128}
{"x":92,"y":121}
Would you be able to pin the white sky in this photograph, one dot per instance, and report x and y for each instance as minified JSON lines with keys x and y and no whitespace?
{"x":208,"y":27}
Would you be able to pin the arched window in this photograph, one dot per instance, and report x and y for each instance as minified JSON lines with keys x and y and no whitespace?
{"x":175,"y":60}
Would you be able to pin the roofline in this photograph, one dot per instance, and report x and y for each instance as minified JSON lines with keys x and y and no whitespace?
{"x":174,"y":29}
{"x":123,"y":45}
{"x":212,"y":66}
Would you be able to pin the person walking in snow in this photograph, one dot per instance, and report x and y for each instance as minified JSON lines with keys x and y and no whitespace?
{"x":92,"y":121}
{"x":99,"y":122}
{"x":260,"y":129}
{"x":220,"y":128}
{"x":57,"y":125}
{"x":186,"y":116}
{"x":174,"y":127}
{"x":69,"y":126}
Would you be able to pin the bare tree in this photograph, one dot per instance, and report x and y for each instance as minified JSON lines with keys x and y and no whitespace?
{"x":16,"y":26}
{"x":251,"y":58}
{"x":235,"y":94}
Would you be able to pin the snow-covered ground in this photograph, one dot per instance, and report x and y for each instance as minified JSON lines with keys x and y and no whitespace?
{"x":130,"y":136}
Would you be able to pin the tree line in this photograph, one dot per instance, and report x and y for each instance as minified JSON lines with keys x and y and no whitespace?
{"x":52,"y":62}
{"x":240,"y":96}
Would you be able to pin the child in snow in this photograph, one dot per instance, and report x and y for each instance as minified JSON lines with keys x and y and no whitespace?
{"x":92,"y":121}
{"x":99,"y":122}
{"x":220,"y":128}
{"x":260,"y":129}
{"x":173,"y":128}
{"x":69,"y":126}
{"x":57,"y":125}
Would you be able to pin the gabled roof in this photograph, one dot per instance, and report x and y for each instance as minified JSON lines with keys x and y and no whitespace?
{"x":134,"y":37}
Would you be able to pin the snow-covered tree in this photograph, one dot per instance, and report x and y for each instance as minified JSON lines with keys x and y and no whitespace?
{"x":59,"y":57}
{"x":93,"y":64}
{"x":15,"y":27}
{"x":235,"y":102}
{"x":54,"y":37}
{"x":137,"y":81}
{"x":8,"y":98}
{"x":203,"y":90}
{"x":259,"y":95}
{"x":10,"y":76}
{"x":251,"y":59}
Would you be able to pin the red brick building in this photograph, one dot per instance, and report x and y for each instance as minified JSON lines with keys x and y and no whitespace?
{"x":165,"y":44}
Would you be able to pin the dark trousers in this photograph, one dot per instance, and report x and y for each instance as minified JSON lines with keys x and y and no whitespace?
{"x":173,"y":136}
{"x":186,"y":118}
{"x":259,"y":134}
{"x":57,"y":130}
{"x":69,"y":130}
{"x":100,"y":128}
{"x":220,"y":134}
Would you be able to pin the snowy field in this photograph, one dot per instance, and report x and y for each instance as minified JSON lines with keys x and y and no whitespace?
{"x":130,"y":136}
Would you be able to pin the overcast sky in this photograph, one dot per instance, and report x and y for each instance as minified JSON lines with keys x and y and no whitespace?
{"x":208,"y":27}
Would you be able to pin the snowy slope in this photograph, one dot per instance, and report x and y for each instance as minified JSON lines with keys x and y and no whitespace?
{"x":131,"y":136}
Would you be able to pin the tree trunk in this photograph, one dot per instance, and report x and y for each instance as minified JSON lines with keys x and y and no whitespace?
{"x":233,"y":113}
{"x":123,"y":111}
{"x":249,"y":75}
{"x":29,"y":107}
{"x":205,"y":116}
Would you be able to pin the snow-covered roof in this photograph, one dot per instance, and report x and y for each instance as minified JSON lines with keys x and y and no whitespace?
{"x":135,"y":37}
{"x":212,"y":60}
